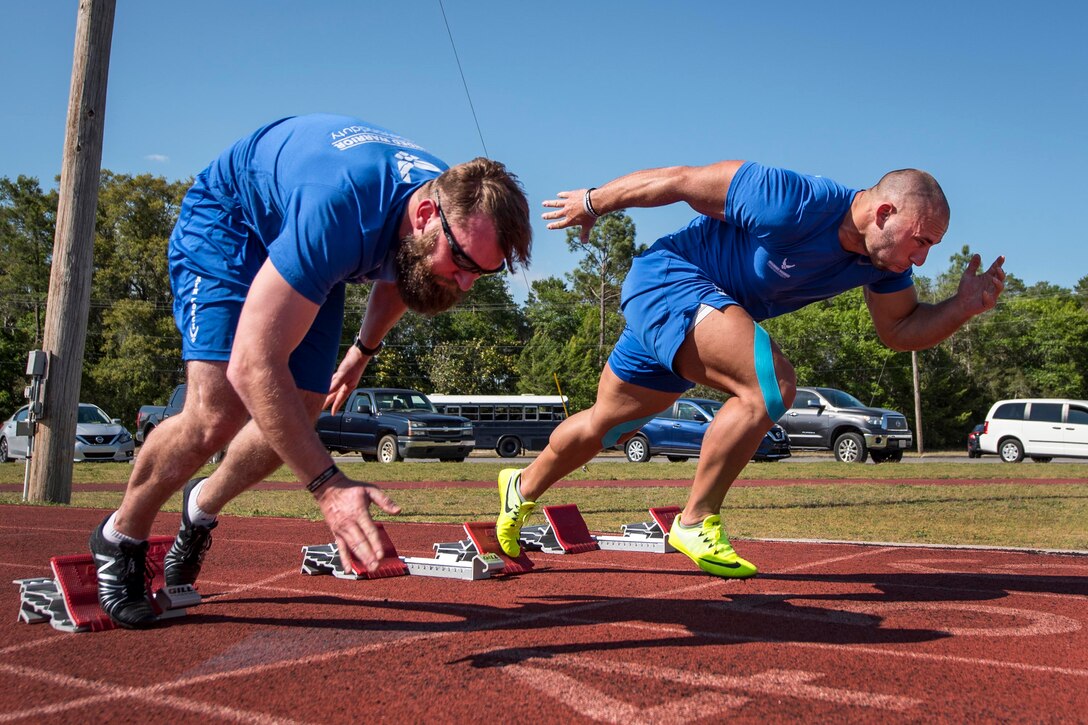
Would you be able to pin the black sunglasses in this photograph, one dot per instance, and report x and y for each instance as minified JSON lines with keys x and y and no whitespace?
{"x":460,"y":257}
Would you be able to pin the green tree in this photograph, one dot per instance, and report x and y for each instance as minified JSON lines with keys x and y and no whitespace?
{"x":606,"y":260}
{"x":133,"y":351}
{"x":27,"y":223}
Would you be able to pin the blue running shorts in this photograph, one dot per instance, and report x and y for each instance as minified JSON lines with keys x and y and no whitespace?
{"x":661,"y":296}
{"x":212,"y":264}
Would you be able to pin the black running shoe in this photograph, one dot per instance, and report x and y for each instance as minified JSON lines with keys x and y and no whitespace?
{"x":182,"y":564}
{"x":122,"y":580}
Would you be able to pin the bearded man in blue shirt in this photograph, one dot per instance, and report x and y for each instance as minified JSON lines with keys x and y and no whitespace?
{"x":265,"y":242}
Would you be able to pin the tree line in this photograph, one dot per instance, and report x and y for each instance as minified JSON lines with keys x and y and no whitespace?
{"x":1034,"y":343}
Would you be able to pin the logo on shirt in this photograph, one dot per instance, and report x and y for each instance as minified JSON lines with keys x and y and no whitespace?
{"x":406,"y":162}
{"x":352,"y":136}
{"x":780,"y":269}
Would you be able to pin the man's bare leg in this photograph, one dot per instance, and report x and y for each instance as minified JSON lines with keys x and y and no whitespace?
{"x":719,"y":353}
{"x":579,"y":438}
{"x":177,"y":449}
{"x":249,"y":460}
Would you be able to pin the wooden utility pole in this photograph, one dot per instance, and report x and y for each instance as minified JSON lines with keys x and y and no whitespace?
{"x":917,"y":402}
{"x":73,"y":253}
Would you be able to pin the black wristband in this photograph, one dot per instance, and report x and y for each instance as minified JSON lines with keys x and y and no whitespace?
{"x":322,"y":478}
{"x":589,"y":205}
{"x":368,"y":351}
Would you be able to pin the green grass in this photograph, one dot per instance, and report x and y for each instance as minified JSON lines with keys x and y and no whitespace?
{"x":1001,"y":514}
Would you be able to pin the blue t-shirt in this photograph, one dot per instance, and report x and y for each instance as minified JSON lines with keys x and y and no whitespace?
{"x":323,"y":196}
{"x":778,"y":249}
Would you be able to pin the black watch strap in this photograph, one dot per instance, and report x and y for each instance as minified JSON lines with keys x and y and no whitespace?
{"x":369,"y":351}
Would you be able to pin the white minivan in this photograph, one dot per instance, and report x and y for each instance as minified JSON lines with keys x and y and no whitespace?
{"x":1039,"y":428}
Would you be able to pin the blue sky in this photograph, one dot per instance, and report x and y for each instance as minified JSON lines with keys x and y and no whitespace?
{"x":989,"y":97}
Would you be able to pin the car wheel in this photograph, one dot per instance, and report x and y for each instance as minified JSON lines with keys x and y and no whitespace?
{"x":4,"y":450}
{"x":974,"y":454}
{"x":637,"y":449}
{"x":850,"y":448}
{"x":459,"y":459}
{"x":508,"y":447}
{"x":387,"y":449}
{"x":369,"y":457}
{"x":1011,"y":450}
{"x":677,"y":459}
{"x":1042,"y":459}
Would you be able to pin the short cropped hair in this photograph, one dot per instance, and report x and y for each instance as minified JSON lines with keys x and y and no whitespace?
{"x":913,"y":187}
{"x":484,"y":186}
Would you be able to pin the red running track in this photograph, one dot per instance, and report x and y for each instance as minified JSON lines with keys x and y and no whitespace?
{"x":826,"y":633}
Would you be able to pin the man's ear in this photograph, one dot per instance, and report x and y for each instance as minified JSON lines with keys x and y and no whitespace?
{"x":883,"y":213}
{"x":424,"y":211}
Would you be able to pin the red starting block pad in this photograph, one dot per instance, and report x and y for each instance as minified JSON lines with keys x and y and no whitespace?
{"x":325,"y":559}
{"x":69,"y":601}
{"x":565,"y":533}
{"x":650,"y":536}
{"x":482,"y":535}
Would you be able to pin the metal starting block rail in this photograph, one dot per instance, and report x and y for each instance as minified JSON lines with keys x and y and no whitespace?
{"x":69,"y":600}
{"x":477,"y":557}
{"x":325,"y":559}
{"x":566,"y":533}
{"x":649,"y":536}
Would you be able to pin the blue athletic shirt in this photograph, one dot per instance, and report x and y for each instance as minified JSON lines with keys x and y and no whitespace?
{"x":778,"y":249}
{"x":323,"y":196}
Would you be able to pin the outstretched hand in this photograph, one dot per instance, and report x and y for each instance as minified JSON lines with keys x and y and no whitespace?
{"x":345,"y":504}
{"x":345,"y":379}
{"x":979,"y":292}
{"x":570,"y":212}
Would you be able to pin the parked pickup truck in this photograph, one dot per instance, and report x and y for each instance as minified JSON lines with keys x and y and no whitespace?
{"x":389,"y":424}
{"x":149,"y":416}
{"x":830,"y":419}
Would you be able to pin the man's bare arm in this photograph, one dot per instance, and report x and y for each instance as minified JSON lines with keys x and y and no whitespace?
{"x":904,"y":323}
{"x":704,"y":188}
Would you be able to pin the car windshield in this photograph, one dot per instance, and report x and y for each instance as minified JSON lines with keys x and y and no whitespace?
{"x":92,"y":414}
{"x":403,"y":400}
{"x":711,"y":406}
{"x":839,"y":399}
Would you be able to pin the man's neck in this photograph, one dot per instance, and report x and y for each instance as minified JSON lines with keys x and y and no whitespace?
{"x":851,"y":238}
{"x":410,"y":208}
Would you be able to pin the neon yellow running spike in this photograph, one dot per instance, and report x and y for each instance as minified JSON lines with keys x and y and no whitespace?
{"x":513,"y":511}
{"x":708,"y":546}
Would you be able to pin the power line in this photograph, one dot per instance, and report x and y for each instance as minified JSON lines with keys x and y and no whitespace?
{"x":463,"y":81}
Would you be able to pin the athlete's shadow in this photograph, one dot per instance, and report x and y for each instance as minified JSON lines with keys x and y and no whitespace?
{"x":539,"y":622}
{"x":947,"y":585}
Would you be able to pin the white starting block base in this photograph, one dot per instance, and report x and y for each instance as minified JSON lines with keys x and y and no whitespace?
{"x":457,"y":560}
{"x":172,"y":600}
{"x":447,"y":566}
{"x":635,"y":543}
{"x":42,"y":600}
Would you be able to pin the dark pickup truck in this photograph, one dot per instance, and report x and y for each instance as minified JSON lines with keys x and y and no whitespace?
{"x":389,"y":424}
{"x":830,"y":419}
{"x":149,"y":416}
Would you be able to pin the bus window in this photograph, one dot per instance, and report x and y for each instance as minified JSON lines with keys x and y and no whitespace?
{"x":531,"y":412}
{"x":487,"y":412}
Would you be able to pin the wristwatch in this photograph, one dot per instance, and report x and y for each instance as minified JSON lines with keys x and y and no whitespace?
{"x":368,"y":351}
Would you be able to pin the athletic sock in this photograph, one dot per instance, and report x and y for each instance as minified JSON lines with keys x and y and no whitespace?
{"x":682,"y":525}
{"x":197,"y":516}
{"x":114,"y":536}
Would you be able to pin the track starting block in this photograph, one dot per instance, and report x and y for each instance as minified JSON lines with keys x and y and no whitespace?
{"x":325,"y":559}
{"x":565,"y":533}
{"x":650,"y":536}
{"x":69,"y":600}
{"x":477,"y":557}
